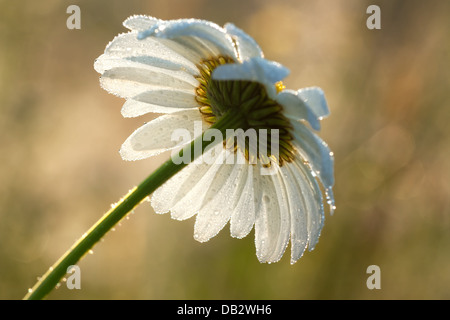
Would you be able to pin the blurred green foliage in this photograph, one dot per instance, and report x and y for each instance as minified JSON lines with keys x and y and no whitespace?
{"x":388,"y":91}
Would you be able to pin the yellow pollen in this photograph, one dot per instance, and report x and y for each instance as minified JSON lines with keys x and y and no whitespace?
{"x":280,"y":86}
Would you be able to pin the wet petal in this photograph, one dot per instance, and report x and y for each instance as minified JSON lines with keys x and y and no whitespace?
{"x":314,"y":98}
{"x":254,"y":69}
{"x":140,"y":22}
{"x":298,"y":213}
{"x":296,"y":109}
{"x":243,"y":216}
{"x":313,"y":199}
{"x":177,"y":187}
{"x":316,"y":152}
{"x":192,"y":202}
{"x":159,"y":101}
{"x":246,"y":45}
{"x":155,"y":136}
{"x":271,"y":225}
{"x":216,"y":211}
{"x":126,"y":48}
{"x":130,"y":82}
{"x":193,"y":28}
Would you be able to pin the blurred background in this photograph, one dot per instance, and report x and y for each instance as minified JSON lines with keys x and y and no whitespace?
{"x":389,"y":95}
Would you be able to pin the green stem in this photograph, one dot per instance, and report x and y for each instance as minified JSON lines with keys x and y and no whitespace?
{"x":51,"y":278}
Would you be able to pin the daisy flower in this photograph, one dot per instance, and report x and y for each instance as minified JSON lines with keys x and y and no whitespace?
{"x":192,"y":71}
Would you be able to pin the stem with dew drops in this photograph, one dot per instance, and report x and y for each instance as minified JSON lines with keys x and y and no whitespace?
{"x":134,"y":197}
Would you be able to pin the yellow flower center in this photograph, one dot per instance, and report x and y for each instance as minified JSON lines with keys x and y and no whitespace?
{"x":279,"y":86}
{"x":251,"y":100}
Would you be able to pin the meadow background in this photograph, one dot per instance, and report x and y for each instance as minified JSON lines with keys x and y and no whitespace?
{"x":389,"y":96}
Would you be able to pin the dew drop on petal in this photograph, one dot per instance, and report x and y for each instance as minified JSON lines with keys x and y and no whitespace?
{"x":30,"y":290}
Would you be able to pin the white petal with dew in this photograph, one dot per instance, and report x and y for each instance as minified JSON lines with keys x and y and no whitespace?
{"x":193,"y":201}
{"x":254,"y":69}
{"x":268,"y":222}
{"x":282,"y":238}
{"x":312,"y":196}
{"x":160,"y":101}
{"x":126,"y":46}
{"x":298,"y":213}
{"x":243,"y":216}
{"x":129,"y":82}
{"x":246,"y":45}
{"x":296,"y":109}
{"x":193,"y":28}
{"x":200,"y":48}
{"x":154,"y":137}
{"x":140,"y":22}
{"x":314,"y":98}
{"x":315,"y":151}
{"x":177,"y":187}
{"x":219,"y":203}
{"x":133,"y":108}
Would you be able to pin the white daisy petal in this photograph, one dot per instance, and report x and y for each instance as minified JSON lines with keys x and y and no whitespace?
{"x":247,"y":46}
{"x":140,"y":22}
{"x":192,"y":202}
{"x":129,"y":82}
{"x":243,"y":216}
{"x":155,"y":136}
{"x":298,"y":213}
{"x":193,"y":28}
{"x":126,"y":46}
{"x":296,"y":109}
{"x":272,"y":222}
{"x":160,"y":101}
{"x":177,"y":187}
{"x":313,"y":202}
{"x":316,"y":152}
{"x":200,"y":47}
{"x":133,"y":108}
{"x":314,"y":98}
{"x":285,"y":223}
{"x":216,"y":212}
{"x":254,"y":69}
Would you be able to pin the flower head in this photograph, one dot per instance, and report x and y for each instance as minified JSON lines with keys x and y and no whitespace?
{"x":194,"y":70}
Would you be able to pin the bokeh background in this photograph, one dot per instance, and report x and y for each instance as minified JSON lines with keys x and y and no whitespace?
{"x":389,"y":95}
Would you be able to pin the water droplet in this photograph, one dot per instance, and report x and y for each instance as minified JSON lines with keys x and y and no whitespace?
{"x":113,"y":229}
{"x":50,"y":269}
{"x":91,"y":251}
{"x":30,"y":290}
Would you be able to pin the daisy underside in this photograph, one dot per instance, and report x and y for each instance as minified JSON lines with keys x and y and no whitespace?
{"x":193,"y":70}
